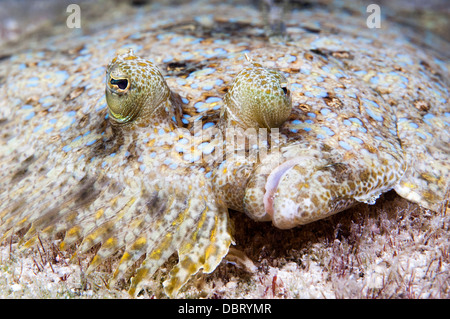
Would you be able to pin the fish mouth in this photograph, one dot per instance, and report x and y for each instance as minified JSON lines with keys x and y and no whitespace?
{"x":274,"y":180}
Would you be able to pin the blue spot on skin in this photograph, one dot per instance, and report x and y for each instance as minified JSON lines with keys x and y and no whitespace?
{"x":213,"y":99}
{"x":179,"y":149}
{"x":361,"y":72}
{"x":320,"y":136}
{"x":362,"y":129}
{"x":208,"y":150}
{"x":326,"y":69}
{"x":222,"y":165}
{"x":62,"y":76}
{"x":357,"y":140}
{"x":167,"y":161}
{"x":161,"y":131}
{"x":393,"y":73}
{"x":307,"y":129}
{"x":142,"y":167}
{"x":356,"y":120}
{"x":53,"y":121}
{"x":76,"y":139}
{"x":208,"y":175}
{"x":67,"y":148}
{"x":305,"y":70}
{"x":81,"y":157}
{"x":202,"y":145}
{"x":173,"y":166}
{"x":293,"y":130}
{"x":153,"y":154}
{"x":65,"y":128}
{"x":104,"y":164}
{"x":345,"y":145}
{"x":112,"y":154}
{"x":194,"y":85}
{"x":46,"y":101}
{"x":406,"y":59}
{"x":49,"y":130}
{"x":91,"y":142}
{"x":30,"y":116}
{"x":309,"y":121}
{"x":296,"y":122}
{"x":183,"y":141}
{"x":325,"y":111}
{"x":100,"y":107}
{"x":208,"y":125}
{"x":27,"y":107}
{"x":328,"y":130}
{"x":222,"y":41}
{"x":372,"y":103}
{"x":190,"y":158}
{"x":207,"y":87}
{"x":32,"y":82}
{"x":347,"y":122}
{"x":421,"y":135}
{"x":321,"y":92}
{"x":291,"y":58}
{"x":198,"y":105}
{"x":427,"y":117}
{"x":185,"y":100}
{"x":413,"y":125}
{"x":220,"y":51}
{"x":368,"y":104}
{"x":185,"y":121}
{"x":71,"y":113}
{"x":87,"y":133}
{"x":37,"y":128}
{"x":379,"y":138}
{"x":207,"y":71}
{"x":296,"y":86}
{"x":378,"y":118}
{"x":374,"y":80}
{"x":311,"y":114}
{"x":219,"y":82}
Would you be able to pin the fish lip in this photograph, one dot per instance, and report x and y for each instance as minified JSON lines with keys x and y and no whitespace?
{"x":273,"y":180}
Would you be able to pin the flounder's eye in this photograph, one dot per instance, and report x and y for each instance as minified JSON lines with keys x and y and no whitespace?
{"x":121,"y":85}
{"x":259,"y":98}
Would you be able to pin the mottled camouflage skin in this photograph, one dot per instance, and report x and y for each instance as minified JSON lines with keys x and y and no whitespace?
{"x":369,"y":113}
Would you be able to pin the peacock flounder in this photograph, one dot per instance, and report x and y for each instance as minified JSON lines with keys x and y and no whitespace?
{"x":314,"y":123}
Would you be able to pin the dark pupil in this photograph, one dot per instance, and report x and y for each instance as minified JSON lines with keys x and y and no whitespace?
{"x":122,"y":83}
{"x":285,"y":90}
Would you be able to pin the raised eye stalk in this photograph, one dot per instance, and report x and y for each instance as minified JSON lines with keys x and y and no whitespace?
{"x":258,"y":97}
{"x":135,"y":90}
